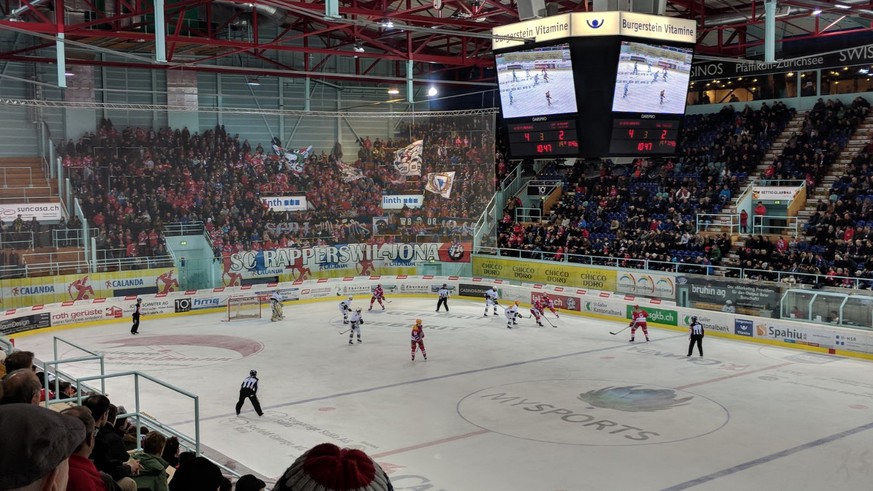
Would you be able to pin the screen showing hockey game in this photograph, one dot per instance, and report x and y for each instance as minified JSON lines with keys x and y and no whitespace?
{"x":536,"y":82}
{"x":652,"y":78}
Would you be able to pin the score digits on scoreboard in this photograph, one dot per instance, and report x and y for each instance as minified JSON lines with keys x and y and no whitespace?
{"x":542,"y":138}
{"x":644,"y":136}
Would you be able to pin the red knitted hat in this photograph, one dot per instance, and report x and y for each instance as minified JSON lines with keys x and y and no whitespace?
{"x":327,"y":467}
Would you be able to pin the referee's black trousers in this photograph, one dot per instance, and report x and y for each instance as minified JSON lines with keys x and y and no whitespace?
{"x":696,"y":338}
{"x":443,"y":301}
{"x":250,"y":394}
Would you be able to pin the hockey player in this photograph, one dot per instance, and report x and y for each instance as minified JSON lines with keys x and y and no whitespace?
{"x":418,"y":339}
{"x":345,"y":307}
{"x":512,"y":315}
{"x":536,"y":310}
{"x":356,"y":321}
{"x":549,"y":98}
{"x":276,"y":304}
{"x":550,"y":304}
{"x":378,"y":294}
{"x":639,"y":321}
{"x":491,"y":300}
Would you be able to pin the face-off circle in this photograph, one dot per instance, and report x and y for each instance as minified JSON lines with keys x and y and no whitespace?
{"x":592,"y":412}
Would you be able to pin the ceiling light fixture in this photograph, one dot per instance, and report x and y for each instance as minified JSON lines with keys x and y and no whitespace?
{"x":841,"y":6}
{"x":393,"y":91}
{"x":359,"y":48}
{"x":816,"y":12}
{"x":432,"y":91}
{"x":253,"y":82}
{"x":387,"y":24}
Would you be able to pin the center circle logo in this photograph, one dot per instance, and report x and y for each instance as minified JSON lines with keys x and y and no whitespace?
{"x":592,"y":412}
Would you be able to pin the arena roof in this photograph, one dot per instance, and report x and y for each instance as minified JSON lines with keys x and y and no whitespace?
{"x":295,"y":39}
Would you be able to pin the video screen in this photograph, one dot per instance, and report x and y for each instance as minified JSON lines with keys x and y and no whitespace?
{"x":652,"y":78}
{"x":536,"y":82}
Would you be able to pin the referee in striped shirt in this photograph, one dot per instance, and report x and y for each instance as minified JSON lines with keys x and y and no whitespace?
{"x":249,"y":389}
{"x":695,"y":335}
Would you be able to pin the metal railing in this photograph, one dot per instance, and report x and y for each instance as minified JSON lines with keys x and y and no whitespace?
{"x":523,"y":214}
{"x":731,"y":221}
{"x":786,"y":277}
{"x":71,"y":237}
{"x":5,"y":171}
{"x":39,"y":198}
{"x":178,"y":228}
{"x":141,"y":417}
{"x":762,"y":225}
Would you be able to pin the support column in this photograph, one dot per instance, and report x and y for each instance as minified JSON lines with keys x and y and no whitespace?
{"x":60,"y":54}
{"x":160,"y":32}
{"x":769,"y":30}
{"x":307,"y":88}
{"x":410,"y":90}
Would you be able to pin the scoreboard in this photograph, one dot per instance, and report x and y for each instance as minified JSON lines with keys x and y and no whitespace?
{"x":631,"y":137}
{"x":594,"y":84}
{"x":544,"y":138}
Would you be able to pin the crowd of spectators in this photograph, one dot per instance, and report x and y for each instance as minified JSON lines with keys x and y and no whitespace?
{"x":133,"y":182}
{"x":649,"y":210}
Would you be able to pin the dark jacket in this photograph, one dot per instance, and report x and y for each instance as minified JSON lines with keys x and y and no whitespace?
{"x":109,"y":454}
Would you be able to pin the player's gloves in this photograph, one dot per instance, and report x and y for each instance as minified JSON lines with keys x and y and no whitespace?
{"x":361,"y":321}
{"x":518,"y":315}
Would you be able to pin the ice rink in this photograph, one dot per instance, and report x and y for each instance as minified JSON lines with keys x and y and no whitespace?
{"x":532,"y":409}
{"x":529,"y":93}
{"x":644,"y":91}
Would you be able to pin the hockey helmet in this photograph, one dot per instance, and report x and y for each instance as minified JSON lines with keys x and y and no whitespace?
{"x":350,"y":297}
{"x":444,"y":285}
{"x":693,"y":319}
{"x":417,"y":322}
{"x":253,"y":373}
{"x":378,"y":285}
{"x":516,"y":302}
{"x":636,"y":307}
{"x":358,"y":309}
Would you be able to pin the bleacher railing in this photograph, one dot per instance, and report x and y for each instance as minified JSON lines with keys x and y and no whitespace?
{"x":5,"y":171}
{"x":141,"y":416}
{"x":786,"y":277}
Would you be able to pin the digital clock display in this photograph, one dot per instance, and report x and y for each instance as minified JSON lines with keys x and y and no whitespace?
{"x":644,"y":136}
{"x":543,"y":138}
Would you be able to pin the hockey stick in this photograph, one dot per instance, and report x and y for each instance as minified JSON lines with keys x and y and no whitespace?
{"x":343,"y":332}
{"x":614,"y":333}
{"x":547,"y":320}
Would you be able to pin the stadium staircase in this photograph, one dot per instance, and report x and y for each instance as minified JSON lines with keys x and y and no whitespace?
{"x":795,"y":124}
{"x":843,"y":164}
{"x":24,"y":180}
{"x":856,"y":143}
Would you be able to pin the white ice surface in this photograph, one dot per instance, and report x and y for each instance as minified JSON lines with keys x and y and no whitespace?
{"x":758,"y":417}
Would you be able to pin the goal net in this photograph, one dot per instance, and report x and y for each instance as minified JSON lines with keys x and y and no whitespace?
{"x":243,"y":308}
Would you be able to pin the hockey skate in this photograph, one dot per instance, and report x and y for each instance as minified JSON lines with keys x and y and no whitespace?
{"x":371,"y":308}
{"x":631,"y":340}
{"x":359,"y":340}
{"x":383,"y":307}
{"x":345,"y":321}
{"x":485,"y":314}
{"x":495,"y":313}
{"x":350,"y":341}
{"x":540,"y":324}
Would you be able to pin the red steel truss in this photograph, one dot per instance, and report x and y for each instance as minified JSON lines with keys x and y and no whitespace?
{"x":226,"y":36}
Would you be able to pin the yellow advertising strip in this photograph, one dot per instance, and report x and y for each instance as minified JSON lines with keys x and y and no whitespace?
{"x":562,"y":274}
{"x":23,"y":292}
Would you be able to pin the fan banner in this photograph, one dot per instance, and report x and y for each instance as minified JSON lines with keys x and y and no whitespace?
{"x":440,"y":183}
{"x":407,"y":160}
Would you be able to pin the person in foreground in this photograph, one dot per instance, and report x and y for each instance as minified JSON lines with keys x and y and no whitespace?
{"x":326,"y":467}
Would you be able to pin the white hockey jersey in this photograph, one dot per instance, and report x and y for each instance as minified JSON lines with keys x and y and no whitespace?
{"x":491,"y":296}
{"x":345,"y":305}
{"x":355,"y":319}
{"x":511,"y":312}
